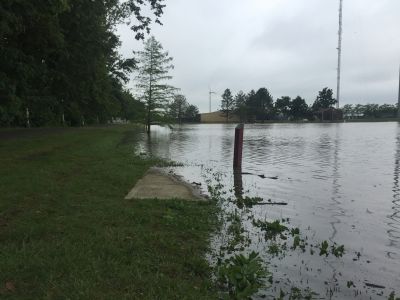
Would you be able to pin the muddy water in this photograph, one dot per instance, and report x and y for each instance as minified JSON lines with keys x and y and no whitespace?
{"x":340,"y":183}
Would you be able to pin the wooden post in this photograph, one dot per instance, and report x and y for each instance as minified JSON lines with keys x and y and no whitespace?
{"x":237,"y":153}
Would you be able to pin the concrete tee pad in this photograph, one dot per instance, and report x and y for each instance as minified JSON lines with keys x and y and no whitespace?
{"x":156,"y":183}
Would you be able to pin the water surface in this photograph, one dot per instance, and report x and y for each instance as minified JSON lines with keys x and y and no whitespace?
{"x":341,"y":183}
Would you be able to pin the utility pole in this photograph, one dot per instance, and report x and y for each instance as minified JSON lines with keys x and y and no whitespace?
{"x":339,"y":49}
{"x":209,"y":97}
{"x":398,"y":98}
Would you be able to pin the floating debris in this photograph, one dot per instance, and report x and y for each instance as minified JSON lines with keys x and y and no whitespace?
{"x":373,"y":285}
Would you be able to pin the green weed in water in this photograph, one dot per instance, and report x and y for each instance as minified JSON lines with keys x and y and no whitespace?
{"x":242,"y":275}
{"x":248,"y":202}
{"x":392,"y":296}
{"x":272,"y":229}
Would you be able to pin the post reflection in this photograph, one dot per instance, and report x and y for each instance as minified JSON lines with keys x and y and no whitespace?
{"x":238,"y":183}
{"x":394,"y":217}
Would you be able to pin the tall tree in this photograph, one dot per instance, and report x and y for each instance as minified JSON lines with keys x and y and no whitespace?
{"x":227,"y":104}
{"x":154,"y":65}
{"x":261,"y":104}
{"x":299,"y":108}
{"x":282,"y":106}
{"x":240,"y":105}
{"x":324,"y":99}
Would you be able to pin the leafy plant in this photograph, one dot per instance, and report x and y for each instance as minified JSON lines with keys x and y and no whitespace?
{"x":274,"y":249}
{"x":242,"y":275}
{"x":272,"y":229}
{"x":323,"y":250}
{"x":296,"y":242}
{"x":338,"y":251}
{"x":392,"y":296}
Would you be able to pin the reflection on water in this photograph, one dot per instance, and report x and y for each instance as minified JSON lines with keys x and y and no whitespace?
{"x":337,"y":179}
{"x":394,"y":217}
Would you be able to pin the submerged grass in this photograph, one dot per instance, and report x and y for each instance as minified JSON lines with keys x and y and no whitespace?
{"x":67,"y":232}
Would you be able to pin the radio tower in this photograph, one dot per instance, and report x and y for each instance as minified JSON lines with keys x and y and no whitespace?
{"x":339,"y":49}
{"x":398,"y":98}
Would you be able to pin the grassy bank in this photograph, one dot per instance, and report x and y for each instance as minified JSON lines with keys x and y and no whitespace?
{"x":67,"y":232}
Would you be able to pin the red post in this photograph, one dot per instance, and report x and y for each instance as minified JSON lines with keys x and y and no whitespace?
{"x":238,"y":150}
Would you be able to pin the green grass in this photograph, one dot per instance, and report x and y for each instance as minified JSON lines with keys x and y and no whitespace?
{"x":66,"y":231}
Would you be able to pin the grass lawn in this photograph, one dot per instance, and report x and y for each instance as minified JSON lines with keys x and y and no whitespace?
{"x":66,"y":231}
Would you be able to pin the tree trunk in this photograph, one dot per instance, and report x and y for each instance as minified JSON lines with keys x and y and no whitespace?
{"x":148,"y":122}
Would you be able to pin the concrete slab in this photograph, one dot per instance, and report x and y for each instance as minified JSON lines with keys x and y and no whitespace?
{"x":156,"y":183}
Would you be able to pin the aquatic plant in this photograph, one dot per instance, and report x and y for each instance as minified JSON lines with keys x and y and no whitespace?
{"x":337,"y":251}
{"x":236,"y":233}
{"x":248,"y":202}
{"x":274,"y":249}
{"x":392,"y":296}
{"x":323,"y":250}
{"x":272,"y":229}
{"x":242,"y":275}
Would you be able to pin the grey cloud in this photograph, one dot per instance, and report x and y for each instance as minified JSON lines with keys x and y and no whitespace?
{"x":288,"y":46}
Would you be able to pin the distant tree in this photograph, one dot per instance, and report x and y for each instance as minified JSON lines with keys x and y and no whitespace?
{"x":240,"y":105}
{"x":359,"y":109}
{"x":348,"y":110}
{"x":282,"y":106}
{"x":251,"y":108}
{"x":299,"y":108}
{"x":387,"y":111}
{"x":371,"y":110}
{"x":261,"y":104}
{"x":178,"y":107}
{"x":324,"y":99}
{"x":227,"y":104}
{"x":191,"y":113}
{"x":153,"y":68}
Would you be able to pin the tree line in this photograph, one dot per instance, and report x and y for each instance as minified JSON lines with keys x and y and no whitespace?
{"x":259,"y":106}
{"x":369,"y":111}
{"x":59,"y":60}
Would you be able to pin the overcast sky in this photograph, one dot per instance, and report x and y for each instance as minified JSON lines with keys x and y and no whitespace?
{"x":287,"y":46}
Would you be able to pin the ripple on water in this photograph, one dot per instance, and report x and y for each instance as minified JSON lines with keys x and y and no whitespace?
{"x":341,"y":180}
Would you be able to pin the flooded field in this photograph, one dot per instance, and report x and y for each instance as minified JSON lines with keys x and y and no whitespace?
{"x":337,"y":183}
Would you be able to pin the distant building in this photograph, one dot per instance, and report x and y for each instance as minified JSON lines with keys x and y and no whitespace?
{"x":218,"y":117}
{"x":353,"y":115}
{"x":329,"y":114}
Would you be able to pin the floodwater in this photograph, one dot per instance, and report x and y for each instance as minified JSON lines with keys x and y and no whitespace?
{"x":340,"y":182}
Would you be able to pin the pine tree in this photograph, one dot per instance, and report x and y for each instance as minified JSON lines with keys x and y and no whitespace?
{"x":227,"y":104}
{"x":153,"y":68}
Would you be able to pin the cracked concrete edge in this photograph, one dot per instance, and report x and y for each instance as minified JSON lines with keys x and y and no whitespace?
{"x":179,"y":180}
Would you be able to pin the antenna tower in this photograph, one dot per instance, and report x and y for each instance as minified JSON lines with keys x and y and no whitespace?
{"x":339,"y":48}
{"x":398,"y":98}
